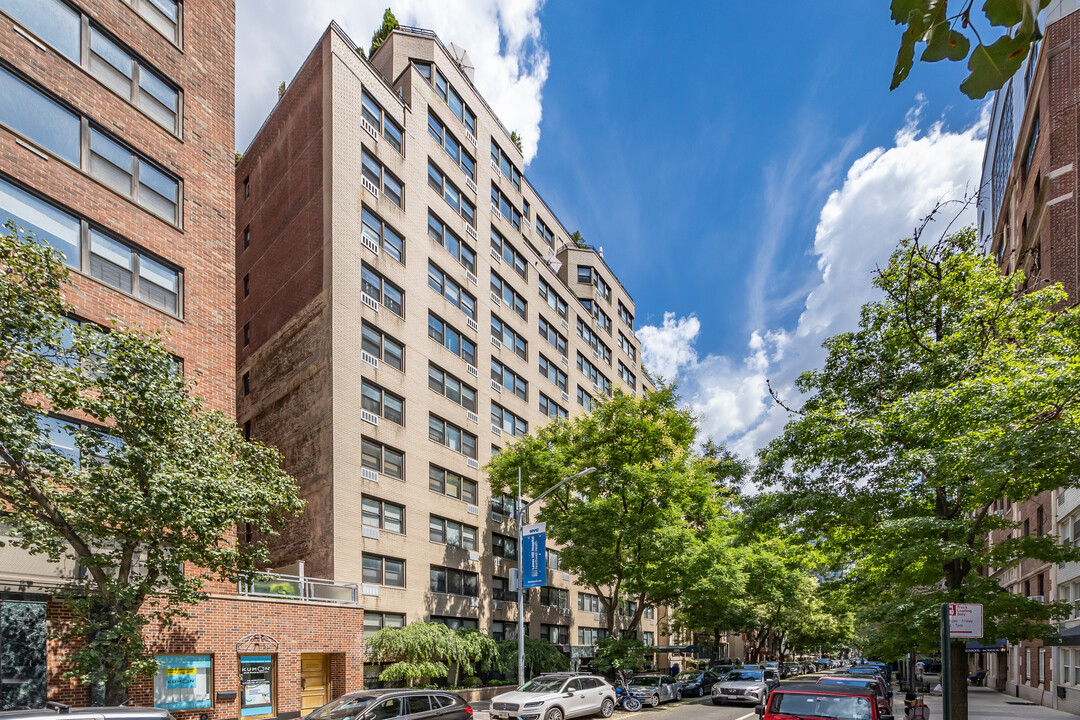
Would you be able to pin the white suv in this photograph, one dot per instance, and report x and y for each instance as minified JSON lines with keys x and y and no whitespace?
{"x":556,"y":697}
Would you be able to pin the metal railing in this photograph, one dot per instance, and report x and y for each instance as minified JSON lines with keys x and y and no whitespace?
{"x":295,"y":587}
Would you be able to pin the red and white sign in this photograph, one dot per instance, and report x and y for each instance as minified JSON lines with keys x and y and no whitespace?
{"x":965,"y":620}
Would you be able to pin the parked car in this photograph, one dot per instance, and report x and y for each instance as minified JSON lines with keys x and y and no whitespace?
{"x":53,"y":710}
{"x":744,"y":686}
{"x":753,"y":667}
{"x":721,"y":669}
{"x":885,"y":668}
{"x":655,"y":689}
{"x":810,"y":700}
{"x":866,"y":671}
{"x":554,"y":697}
{"x":884,"y":694}
{"x":697,"y":682}
{"x":386,"y":704}
{"x":791,"y":669}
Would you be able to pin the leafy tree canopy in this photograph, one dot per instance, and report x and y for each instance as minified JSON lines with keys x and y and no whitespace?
{"x":614,"y":654}
{"x":429,"y":650}
{"x":389,"y":23}
{"x":540,"y":657}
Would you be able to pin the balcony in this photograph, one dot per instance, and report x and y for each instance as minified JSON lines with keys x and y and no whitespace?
{"x":304,"y":589}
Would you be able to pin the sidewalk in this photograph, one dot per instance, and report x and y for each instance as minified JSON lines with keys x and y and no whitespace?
{"x":987,"y":703}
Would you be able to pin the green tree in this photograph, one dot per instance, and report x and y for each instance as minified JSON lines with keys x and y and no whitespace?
{"x":540,"y":657}
{"x":615,"y":653}
{"x":942,"y":30}
{"x":430,"y":650}
{"x":577,"y":238}
{"x":516,"y":139}
{"x":956,"y":391}
{"x":627,"y":527}
{"x":389,"y":23}
{"x":145,"y":494}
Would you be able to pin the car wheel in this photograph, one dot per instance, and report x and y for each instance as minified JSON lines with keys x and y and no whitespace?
{"x":607,"y":707}
{"x":678,"y":695}
{"x":653,"y":701}
{"x":554,"y":714}
{"x":717,"y":702}
{"x":701,"y":692}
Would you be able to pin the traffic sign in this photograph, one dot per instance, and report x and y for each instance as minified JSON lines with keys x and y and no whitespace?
{"x":965,"y":620}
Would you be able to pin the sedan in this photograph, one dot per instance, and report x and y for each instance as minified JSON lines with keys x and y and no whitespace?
{"x":386,"y":704}
{"x":882,"y":695}
{"x":655,"y":689}
{"x":745,"y":686}
{"x":697,"y":682}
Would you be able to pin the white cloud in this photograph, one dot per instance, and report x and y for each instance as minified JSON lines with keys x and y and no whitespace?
{"x":882,"y":199}
{"x":503,"y":39}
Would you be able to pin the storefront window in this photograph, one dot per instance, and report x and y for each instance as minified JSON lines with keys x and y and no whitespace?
{"x":22,"y":654}
{"x":184,"y":682}
{"x":257,"y":685}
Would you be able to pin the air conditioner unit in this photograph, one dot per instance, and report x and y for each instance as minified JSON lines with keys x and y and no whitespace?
{"x":1036,"y":598}
{"x":497,"y":560}
{"x":471,"y":416}
{"x":472,"y":509}
{"x":497,"y":343}
{"x":369,"y":417}
{"x":369,"y":359}
{"x":369,"y":186}
{"x":370,"y":590}
{"x":474,"y":602}
{"x":473,"y":464}
{"x":369,"y":474}
{"x":471,"y":324}
{"x":472,"y":232}
{"x":471,"y":369}
{"x":495,"y":211}
{"x":496,"y":386}
{"x":470,"y":277}
{"x":496,"y":299}
{"x":369,"y":128}
{"x":369,"y":301}
{"x":495,"y":255}
{"x":495,"y":167}
{"x":370,"y":244}
{"x":474,"y":556}
{"x":371,"y":533}
{"x":496,"y":429}
{"x":999,"y":512}
{"x":470,"y":184}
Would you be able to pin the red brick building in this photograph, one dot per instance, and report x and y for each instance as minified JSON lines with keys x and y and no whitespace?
{"x":116,"y":147}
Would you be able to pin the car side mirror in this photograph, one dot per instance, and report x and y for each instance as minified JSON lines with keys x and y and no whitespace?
{"x":760,"y":710}
{"x":569,"y":693}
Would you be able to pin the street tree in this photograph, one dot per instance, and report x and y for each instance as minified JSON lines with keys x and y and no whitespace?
{"x":944,"y":29}
{"x":956,"y":391}
{"x":430,"y":650}
{"x":540,"y":656}
{"x":144,"y":490}
{"x":614,"y":654}
{"x":627,"y":528}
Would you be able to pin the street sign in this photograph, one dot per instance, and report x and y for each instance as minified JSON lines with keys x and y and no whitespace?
{"x":534,"y":555}
{"x":965,"y":620}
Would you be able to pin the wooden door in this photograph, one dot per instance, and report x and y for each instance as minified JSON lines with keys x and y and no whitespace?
{"x":314,"y":682}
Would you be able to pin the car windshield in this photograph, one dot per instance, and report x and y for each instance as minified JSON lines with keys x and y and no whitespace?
{"x":863,"y":671}
{"x":542,"y":685}
{"x":744,"y":675}
{"x":813,"y":705}
{"x":688,"y":676}
{"x":644,"y":681}
{"x":342,"y":708}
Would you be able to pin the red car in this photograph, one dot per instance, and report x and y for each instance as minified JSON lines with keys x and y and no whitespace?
{"x":810,"y":701}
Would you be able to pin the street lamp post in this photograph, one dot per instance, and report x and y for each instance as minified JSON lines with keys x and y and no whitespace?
{"x":522,"y":514}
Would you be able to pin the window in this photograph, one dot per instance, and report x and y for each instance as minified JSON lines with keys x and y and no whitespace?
{"x":392,"y":188}
{"x":502,"y":545}
{"x":258,"y":685}
{"x":379,"y":570}
{"x":451,"y":436}
{"x":382,"y":235}
{"x":584,"y":399}
{"x":382,"y":459}
{"x":62,"y":232}
{"x":453,"y":100}
{"x":553,"y":299}
{"x":649,"y":613}
{"x":452,"y":533}
{"x":552,"y":372}
{"x":627,"y":347}
{"x":502,"y":203}
{"x":555,"y":597}
{"x":501,"y":631}
{"x":373,"y":112}
{"x":626,"y":376}
{"x":51,"y":20}
{"x":602,"y":318}
{"x":511,"y":256}
{"x":163,"y":15}
{"x":247,"y":238}
{"x":545,"y":232}
{"x":456,"y":623}
{"x":451,"y":339}
{"x":551,"y":408}
{"x":589,"y":636}
{"x":376,"y":621}
{"x":451,"y":484}
{"x":502,"y":161}
{"x":510,"y":297}
{"x":584,"y":275}
{"x":247,"y":285}
{"x":590,"y":371}
{"x":500,"y":590}
{"x":446,"y":286}
{"x":194,"y":692}
{"x":450,"y":144}
{"x":450,"y":387}
{"x":450,"y":193}
{"x":382,"y":347}
{"x":382,"y":290}
{"x":247,"y":188}
{"x":454,"y":582}
{"x":649,"y":638}
{"x":383,"y":403}
{"x":424,"y":68}
{"x":552,"y":559}
{"x":502,"y":505}
{"x":247,"y":334}
{"x":508,"y":337}
{"x":132,"y":176}
{"x":585,"y":333}
{"x":509,"y":379}
{"x":1003,"y":156}
{"x":553,"y":336}
{"x":625,"y":315}
{"x":508,"y":421}
{"x":383,"y":515}
{"x":31,"y":113}
{"x":454,"y":245}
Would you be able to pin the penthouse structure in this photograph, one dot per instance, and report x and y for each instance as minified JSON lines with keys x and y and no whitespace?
{"x":407,"y":304}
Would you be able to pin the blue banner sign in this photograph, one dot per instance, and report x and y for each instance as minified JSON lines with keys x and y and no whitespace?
{"x":534,"y":555}
{"x":183,"y":682}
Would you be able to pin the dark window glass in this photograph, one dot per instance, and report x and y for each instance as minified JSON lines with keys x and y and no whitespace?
{"x":28,"y":111}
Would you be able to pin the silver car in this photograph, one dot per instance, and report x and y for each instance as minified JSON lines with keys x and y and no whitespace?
{"x":745,"y":686}
{"x":655,"y":689}
{"x":556,"y":696}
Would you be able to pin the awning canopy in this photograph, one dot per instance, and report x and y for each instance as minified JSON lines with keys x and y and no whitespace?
{"x":975,"y":646}
{"x":1070,"y":636}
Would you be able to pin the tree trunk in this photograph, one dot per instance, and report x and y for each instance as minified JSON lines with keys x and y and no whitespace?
{"x":958,"y":673}
{"x":115,"y":691}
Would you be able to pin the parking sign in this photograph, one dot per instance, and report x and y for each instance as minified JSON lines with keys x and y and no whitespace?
{"x":965,"y":620}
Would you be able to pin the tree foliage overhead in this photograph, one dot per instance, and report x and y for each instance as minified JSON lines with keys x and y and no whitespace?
{"x":945,"y":29}
{"x":614,"y":654}
{"x":389,"y":24}
{"x":145,"y":492}
{"x":955,"y":392}
{"x":540,"y":656}
{"x":429,"y":650}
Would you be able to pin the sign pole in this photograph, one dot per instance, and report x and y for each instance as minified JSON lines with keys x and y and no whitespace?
{"x":946,"y":664}
{"x":520,"y":586}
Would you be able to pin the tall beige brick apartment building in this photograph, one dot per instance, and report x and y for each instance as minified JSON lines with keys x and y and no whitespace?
{"x":407,"y":304}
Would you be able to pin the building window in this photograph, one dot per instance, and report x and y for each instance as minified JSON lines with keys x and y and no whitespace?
{"x":258,"y":685}
{"x":553,"y":336}
{"x":508,"y":421}
{"x":183,"y":682}
{"x":382,"y":458}
{"x":455,"y":623}
{"x":625,"y":315}
{"x":451,"y":339}
{"x":502,"y":161}
{"x":247,"y":334}
{"x":247,"y":285}
{"x":382,"y":347}
{"x":627,"y":347}
{"x":24,"y":662}
{"x":451,"y":436}
{"x":510,"y":297}
{"x":392,"y":188}
{"x":424,"y":68}
{"x":509,"y":379}
{"x":553,"y":299}
{"x":545,"y":232}
{"x":589,"y":636}
{"x":450,"y":193}
{"x":39,"y":118}
{"x":500,"y":590}
{"x":555,"y":597}
{"x":247,"y":238}
{"x":452,"y":533}
{"x":379,"y":570}
{"x":454,"y":582}
{"x":450,"y":144}
{"x":552,"y":558}
{"x":449,"y":288}
{"x":459,"y":249}
{"x":247,"y":188}
{"x":382,"y":290}
{"x":584,"y":399}
{"x":163,"y":15}
{"x":555,"y":634}
{"x":500,"y":202}
{"x":512,"y":257}
{"x":451,"y":484}
{"x":451,"y":388}
{"x":590,"y":371}
{"x":504,"y":546}
{"x":626,"y":376}
{"x":601,"y":317}
{"x":551,"y":408}
{"x":552,"y":372}
{"x":373,"y":112}
{"x":502,"y":505}
{"x":383,"y":403}
{"x":1029,"y":150}
{"x":382,"y":235}
{"x":593,"y":340}
{"x":509,"y":337}
{"x":382,"y":515}
{"x":376,"y":621}
{"x":501,"y":631}
{"x":1003,"y":155}
{"x":131,"y":175}
{"x":246,"y":384}
{"x":649,"y":638}
{"x":457,"y":106}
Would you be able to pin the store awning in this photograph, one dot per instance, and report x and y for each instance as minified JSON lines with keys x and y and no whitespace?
{"x":1070,"y":636}
{"x":975,"y":646}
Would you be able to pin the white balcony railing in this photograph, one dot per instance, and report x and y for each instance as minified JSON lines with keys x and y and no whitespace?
{"x":294,"y":587}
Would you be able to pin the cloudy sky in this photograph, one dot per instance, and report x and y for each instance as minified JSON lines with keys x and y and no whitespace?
{"x":745,"y":173}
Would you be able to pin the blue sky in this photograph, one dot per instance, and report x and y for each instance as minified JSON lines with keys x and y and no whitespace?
{"x":744,"y":166}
